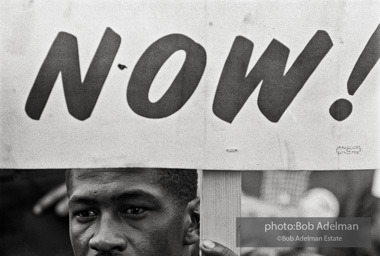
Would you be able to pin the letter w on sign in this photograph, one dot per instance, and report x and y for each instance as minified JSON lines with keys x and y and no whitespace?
{"x":278,"y":90}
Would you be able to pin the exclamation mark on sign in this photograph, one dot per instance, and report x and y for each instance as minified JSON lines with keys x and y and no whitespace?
{"x":342,"y":108}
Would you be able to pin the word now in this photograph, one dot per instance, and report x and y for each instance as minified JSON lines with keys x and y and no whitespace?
{"x":277,"y":91}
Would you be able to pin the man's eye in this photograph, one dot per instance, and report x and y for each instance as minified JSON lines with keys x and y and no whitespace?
{"x":134,"y":211}
{"x":85,"y":215}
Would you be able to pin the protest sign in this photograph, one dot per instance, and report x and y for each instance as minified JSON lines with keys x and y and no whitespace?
{"x":242,"y":85}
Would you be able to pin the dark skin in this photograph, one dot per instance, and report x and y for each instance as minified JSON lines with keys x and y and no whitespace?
{"x":210,"y":248}
{"x":128,"y":213}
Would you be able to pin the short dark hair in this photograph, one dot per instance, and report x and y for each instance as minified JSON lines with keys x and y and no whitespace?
{"x":181,"y":184}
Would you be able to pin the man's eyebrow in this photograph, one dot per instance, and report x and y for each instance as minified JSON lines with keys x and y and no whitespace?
{"x":133,"y":194}
{"x":82,"y":200}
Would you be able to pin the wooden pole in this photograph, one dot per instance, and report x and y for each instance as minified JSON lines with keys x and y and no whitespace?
{"x":220,"y":205}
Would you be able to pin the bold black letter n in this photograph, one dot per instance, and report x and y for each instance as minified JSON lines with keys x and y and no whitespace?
{"x":63,"y":57}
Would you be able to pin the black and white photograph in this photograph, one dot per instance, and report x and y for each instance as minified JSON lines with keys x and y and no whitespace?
{"x":189,"y":128}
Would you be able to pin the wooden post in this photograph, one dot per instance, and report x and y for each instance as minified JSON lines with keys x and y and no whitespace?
{"x":220,"y":205}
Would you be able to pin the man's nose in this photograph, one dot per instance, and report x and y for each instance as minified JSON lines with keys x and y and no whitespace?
{"x":109,"y":235}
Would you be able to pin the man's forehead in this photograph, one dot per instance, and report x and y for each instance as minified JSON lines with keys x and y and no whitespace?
{"x":131,"y":173}
{"x":128,"y":176}
{"x":108,"y":187}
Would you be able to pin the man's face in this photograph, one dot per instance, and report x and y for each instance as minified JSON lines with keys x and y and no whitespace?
{"x":123,"y":213}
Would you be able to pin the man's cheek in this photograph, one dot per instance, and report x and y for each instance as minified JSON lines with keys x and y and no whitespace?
{"x":147,"y":240}
{"x":80,"y":236}
{"x":164,"y":239}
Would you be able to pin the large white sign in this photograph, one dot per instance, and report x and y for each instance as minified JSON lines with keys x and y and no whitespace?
{"x":236,"y":85}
